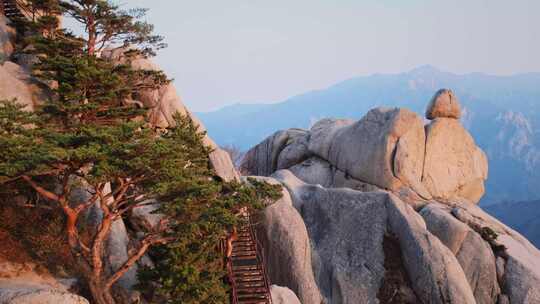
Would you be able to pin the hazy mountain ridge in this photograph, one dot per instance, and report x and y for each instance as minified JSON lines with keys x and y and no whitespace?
{"x":522,"y":216}
{"x":502,"y":113}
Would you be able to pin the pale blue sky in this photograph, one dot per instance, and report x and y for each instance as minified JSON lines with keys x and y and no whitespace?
{"x":223,"y":52}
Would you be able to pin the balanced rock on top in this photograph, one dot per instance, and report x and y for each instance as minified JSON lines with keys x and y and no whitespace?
{"x":443,"y":104}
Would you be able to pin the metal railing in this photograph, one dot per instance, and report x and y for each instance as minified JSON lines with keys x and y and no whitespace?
{"x":260,"y":260}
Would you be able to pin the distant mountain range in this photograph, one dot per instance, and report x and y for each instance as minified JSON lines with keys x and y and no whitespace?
{"x":502,"y":113}
{"x":521,"y":216}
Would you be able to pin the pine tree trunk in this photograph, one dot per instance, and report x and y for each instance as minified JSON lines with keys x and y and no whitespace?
{"x":91,"y":28}
{"x":100,"y":293}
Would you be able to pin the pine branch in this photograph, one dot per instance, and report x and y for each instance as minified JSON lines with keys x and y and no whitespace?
{"x":146,"y":243}
{"x":42,"y":191}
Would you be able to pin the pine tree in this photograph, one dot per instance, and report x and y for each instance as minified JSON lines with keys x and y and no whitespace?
{"x":87,"y":134}
{"x":190,"y":270}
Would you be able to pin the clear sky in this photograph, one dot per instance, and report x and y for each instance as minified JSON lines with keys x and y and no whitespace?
{"x":227,"y":51}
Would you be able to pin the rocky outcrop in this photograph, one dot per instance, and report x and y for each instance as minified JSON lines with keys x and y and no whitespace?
{"x":384,"y":211}
{"x":331,"y":241}
{"x":388,"y":149}
{"x":444,"y":104}
{"x":282,"y":295}
{"x":16,"y":83}
{"x":455,"y":168}
{"x":475,"y":256}
{"x":7,"y":37}
{"x":287,"y":248}
{"x":22,"y":284}
{"x":164,"y":103}
{"x":21,"y":293}
{"x":346,"y":229}
{"x":281,"y":150}
{"x":144,"y":217}
{"x":385,"y":148}
{"x":517,"y":259}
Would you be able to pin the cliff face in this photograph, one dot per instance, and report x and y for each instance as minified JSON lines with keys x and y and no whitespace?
{"x":384,"y":209}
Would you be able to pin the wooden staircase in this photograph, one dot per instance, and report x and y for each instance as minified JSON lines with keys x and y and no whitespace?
{"x":246,"y":268}
{"x":11,"y":10}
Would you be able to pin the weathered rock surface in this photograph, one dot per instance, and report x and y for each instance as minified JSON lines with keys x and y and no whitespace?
{"x":521,"y":277}
{"x":22,"y":284}
{"x":7,"y":36}
{"x":389,"y":148}
{"x":283,"y":295}
{"x":281,"y":150}
{"x":385,"y":148}
{"x":455,"y":168}
{"x":473,"y":253}
{"x":317,"y":171}
{"x":221,"y":162}
{"x":296,"y":149}
{"x":446,"y":252}
{"x":434,"y":271}
{"x":20,"y":293}
{"x":346,"y":230}
{"x":15,"y":82}
{"x":478,"y":261}
{"x":144,"y":217}
{"x":287,"y":249}
{"x":164,"y":103}
{"x":443,"y":104}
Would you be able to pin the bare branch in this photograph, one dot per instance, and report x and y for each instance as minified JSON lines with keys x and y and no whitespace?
{"x":150,"y":240}
{"x":35,"y":206}
{"x":42,"y":191}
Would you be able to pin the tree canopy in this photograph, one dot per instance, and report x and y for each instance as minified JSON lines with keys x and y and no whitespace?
{"x":89,"y":134}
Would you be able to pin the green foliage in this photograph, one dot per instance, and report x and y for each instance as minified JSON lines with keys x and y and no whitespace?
{"x":488,"y":234}
{"x":109,"y":25}
{"x":172,"y":168}
{"x":88,"y":88}
{"x":88,"y":131}
{"x":491,"y":237}
{"x":190,"y":269}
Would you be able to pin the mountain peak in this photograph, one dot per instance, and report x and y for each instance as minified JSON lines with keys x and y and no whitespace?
{"x":425,"y":70}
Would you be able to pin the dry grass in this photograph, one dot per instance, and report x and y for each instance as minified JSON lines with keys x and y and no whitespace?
{"x":32,"y":234}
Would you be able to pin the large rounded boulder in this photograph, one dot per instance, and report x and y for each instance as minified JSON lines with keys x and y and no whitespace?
{"x":455,"y":168}
{"x":385,"y":148}
{"x":444,"y":104}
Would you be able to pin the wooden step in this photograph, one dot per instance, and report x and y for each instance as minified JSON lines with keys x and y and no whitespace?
{"x":246,"y":267}
{"x":244,"y":253}
{"x":252,"y":302}
{"x":245,"y":245}
{"x":250,"y":242}
{"x":250,"y":284}
{"x":244,"y":249}
{"x":248,"y":272}
{"x":251,"y":290}
{"x":259,"y":296}
{"x":249,"y":279}
{"x":249,"y":276}
{"x":247,"y":257}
